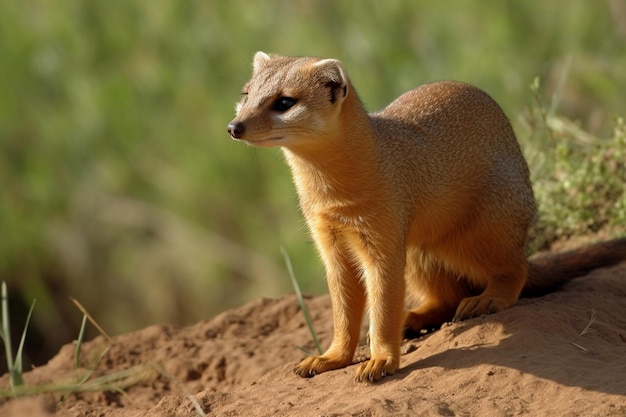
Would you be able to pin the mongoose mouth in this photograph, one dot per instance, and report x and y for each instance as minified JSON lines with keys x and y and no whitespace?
{"x":272,"y":141}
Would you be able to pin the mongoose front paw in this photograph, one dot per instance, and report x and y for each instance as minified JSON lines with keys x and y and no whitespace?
{"x":314,"y":365}
{"x":376,"y":369}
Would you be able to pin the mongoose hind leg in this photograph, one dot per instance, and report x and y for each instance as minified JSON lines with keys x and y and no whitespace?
{"x":428,"y":316}
{"x":435,"y":311}
{"x":479,"y":305}
{"x":440,"y":293}
{"x":502,"y":291}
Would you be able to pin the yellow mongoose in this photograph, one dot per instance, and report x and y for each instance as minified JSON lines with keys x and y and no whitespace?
{"x":429,"y":196}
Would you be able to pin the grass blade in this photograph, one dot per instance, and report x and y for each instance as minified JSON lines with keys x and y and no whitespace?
{"x":15,"y":378}
{"x":91,"y":319}
{"x":18,"y":357}
{"x":296,"y":288}
{"x":79,"y":341}
{"x":6,"y":328}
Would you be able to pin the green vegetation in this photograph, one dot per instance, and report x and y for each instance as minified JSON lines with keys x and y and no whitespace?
{"x":121,"y":188}
{"x":83,"y":381}
{"x":581,"y":185}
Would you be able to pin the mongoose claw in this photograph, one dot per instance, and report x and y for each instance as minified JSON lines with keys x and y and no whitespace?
{"x":314,"y":365}
{"x":477,"y":306}
{"x":376,"y":369}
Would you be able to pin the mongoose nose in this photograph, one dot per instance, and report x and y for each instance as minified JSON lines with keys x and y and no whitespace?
{"x":236,"y":129}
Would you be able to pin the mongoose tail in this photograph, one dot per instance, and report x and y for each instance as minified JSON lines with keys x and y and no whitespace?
{"x":547,"y":272}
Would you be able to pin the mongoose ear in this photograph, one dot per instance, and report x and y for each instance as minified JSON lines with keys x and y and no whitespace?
{"x":334,"y":77}
{"x":260,"y":58}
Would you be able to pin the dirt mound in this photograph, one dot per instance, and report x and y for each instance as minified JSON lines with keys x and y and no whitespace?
{"x":562,"y":354}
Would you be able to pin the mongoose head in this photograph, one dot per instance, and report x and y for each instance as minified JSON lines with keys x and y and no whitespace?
{"x":290,"y":102}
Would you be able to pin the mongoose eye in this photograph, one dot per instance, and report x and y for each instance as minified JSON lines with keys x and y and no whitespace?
{"x":284,"y":104}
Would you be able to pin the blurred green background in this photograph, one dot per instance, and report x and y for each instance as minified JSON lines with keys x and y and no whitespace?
{"x":121,"y":188}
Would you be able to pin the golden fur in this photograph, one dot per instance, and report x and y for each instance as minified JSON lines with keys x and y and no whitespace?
{"x":429,"y":197}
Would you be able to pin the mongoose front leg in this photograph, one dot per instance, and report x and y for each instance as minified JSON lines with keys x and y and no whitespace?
{"x":348,"y":304}
{"x":386,"y":303}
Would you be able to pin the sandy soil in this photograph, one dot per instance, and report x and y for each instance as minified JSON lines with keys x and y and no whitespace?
{"x":559,"y":355}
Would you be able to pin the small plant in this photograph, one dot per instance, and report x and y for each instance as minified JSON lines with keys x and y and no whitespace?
{"x":592,"y":320}
{"x":14,"y":365}
{"x":303,"y":307}
{"x":84,"y":382}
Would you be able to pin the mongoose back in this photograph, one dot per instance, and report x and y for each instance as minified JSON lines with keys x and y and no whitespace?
{"x":428,"y":197}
